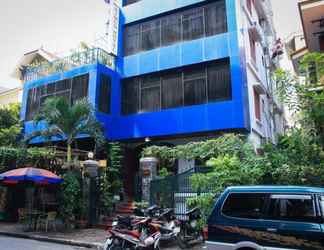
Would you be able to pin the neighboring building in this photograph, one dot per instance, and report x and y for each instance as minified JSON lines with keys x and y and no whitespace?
{"x":9,"y":96}
{"x":296,"y":49}
{"x":312,"y":16}
{"x":185,"y":70}
{"x":312,"y":38}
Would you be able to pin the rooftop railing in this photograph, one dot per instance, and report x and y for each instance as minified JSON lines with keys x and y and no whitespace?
{"x":76,"y":59}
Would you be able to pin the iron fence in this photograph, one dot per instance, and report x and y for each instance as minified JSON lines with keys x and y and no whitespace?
{"x":174,"y":191}
{"x":88,"y":56}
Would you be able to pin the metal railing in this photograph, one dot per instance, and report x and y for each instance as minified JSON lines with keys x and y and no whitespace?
{"x":77,"y":59}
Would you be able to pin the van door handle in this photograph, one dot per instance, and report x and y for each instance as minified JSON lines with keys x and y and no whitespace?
{"x":273,"y":230}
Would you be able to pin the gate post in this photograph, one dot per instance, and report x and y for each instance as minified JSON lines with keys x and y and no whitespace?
{"x":148,"y":172}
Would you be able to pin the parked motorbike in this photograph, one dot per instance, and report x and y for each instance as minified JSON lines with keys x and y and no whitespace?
{"x":163,"y":219}
{"x":168,"y":225}
{"x":146,"y":236}
{"x":190,"y":233}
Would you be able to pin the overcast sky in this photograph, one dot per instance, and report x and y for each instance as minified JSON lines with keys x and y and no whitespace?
{"x":60,"y":25}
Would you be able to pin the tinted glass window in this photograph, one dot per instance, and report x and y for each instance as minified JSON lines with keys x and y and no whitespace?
{"x":172,"y":90}
{"x":104,"y":94}
{"x":182,"y":26}
{"x":151,"y":32}
{"x":195,"y":86}
{"x":193,"y":24}
{"x":219,"y":83}
{"x":71,"y":89}
{"x":150,"y":93}
{"x":79,"y":87}
{"x":132,"y":36}
{"x":292,"y":208}
{"x":187,"y":86}
{"x":215,"y":18}
{"x":244,"y":205}
{"x":130,"y":96}
{"x":170,"y":30}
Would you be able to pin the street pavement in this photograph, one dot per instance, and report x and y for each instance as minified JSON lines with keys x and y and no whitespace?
{"x":8,"y":243}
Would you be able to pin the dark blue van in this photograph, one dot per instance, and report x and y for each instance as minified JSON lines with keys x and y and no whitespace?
{"x":267,"y":218}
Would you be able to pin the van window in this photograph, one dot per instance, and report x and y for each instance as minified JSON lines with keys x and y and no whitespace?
{"x":242,"y":205}
{"x":292,"y":208}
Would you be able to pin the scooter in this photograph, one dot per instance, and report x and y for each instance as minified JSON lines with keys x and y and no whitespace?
{"x":164,"y":221}
{"x":190,"y":233}
{"x":145,"y":237}
{"x":168,"y":225}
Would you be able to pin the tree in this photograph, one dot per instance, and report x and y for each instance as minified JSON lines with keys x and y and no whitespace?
{"x":67,"y":122}
{"x":305,"y":96}
{"x":10,"y":127}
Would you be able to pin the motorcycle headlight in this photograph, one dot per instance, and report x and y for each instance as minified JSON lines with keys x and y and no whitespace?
{"x":193,"y":223}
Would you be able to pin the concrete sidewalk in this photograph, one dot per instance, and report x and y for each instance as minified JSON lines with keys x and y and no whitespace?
{"x":88,"y":238}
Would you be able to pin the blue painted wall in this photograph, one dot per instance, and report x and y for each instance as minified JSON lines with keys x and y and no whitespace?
{"x":194,"y":119}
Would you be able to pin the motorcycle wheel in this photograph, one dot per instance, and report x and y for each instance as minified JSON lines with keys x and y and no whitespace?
{"x":181,"y":240}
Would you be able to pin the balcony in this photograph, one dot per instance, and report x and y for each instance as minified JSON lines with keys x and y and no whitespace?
{"x":74,"y":60}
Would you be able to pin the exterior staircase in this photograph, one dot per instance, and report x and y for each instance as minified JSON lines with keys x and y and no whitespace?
{"x":123,"y":208}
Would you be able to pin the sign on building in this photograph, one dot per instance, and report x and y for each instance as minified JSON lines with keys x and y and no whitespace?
{"x":113,"y":26}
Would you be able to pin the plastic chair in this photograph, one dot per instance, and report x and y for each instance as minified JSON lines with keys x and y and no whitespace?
{"x":22,"y":215}
{"x":47,"y":220}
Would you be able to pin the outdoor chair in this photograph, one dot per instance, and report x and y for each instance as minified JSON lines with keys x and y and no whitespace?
{"x":47,"y":220}
{"x":22,"y":215}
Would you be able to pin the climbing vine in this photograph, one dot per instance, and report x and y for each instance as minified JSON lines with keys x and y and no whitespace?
{"x":110,"y":180}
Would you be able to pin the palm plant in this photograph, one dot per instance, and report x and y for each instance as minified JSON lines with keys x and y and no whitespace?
{"x":67,"y":122}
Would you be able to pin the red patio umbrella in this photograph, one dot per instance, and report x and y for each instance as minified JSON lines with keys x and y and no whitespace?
{"x":36,"y":175}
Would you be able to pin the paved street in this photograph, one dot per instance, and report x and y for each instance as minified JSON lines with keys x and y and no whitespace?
{"x":8,"y":243}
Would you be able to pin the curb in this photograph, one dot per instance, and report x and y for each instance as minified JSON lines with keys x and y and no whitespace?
{"x":54,"y":240}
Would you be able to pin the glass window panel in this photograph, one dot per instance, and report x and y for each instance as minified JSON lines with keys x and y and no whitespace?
{"x":241,"y":205}
{"x":219,"y":83}
{"x":171,"y":29}
{"x":151,"y":35}
{"x":51,"y":89}
{"x":193,"y":24}
{"x":132,"y":39}
{"x":63,"y":85}
{"x":79,"y":87}
{"x":104,"y":94}
{"x":150,"y":81}
{"x":150,"y":99}
{"x":130,"y":96}
{"x":172,"y":91}
{"x":195,"y":92}
{"x":292,"y":208}
{"x":215,"y":18}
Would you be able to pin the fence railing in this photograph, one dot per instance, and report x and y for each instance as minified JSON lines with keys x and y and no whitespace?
{"x":174,"y":191}
{"x":77,"y":59}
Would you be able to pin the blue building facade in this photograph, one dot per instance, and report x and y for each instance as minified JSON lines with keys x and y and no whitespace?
{"x":179,"y":72}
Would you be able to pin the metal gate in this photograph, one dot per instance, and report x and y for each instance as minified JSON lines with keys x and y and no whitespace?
{"x":173,"y":191}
